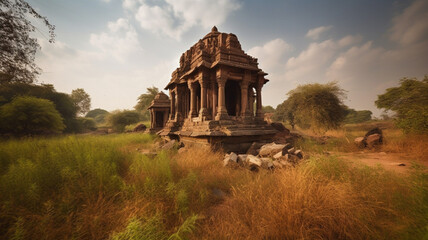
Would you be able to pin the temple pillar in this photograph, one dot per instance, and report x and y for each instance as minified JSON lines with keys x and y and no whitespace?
{"x":193,"y":111}
{"x":203,"y":112}
{"x":221,"y":111}
{"x":178,"y":104}
{"x":244,"y":94}
{"x":259,"y":111}
{"x":214,"y":98}
{"x":151,"y":118}
{"x":172,"y":110}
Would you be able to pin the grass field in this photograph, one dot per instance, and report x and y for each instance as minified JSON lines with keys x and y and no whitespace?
{"x":104,"y":187}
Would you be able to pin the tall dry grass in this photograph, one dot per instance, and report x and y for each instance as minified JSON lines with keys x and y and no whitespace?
{"x":104,"y":188}
{"x":323,"y":199}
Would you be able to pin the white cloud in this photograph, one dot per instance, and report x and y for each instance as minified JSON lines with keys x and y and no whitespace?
{"x":412,"y":25}
{"x":362,"y":68}
{"x":316,"y":32}
{"x":110,"y":85}
{"x":120,"y":42}
{"x":172,"y":18}
{"x":271,"y":54}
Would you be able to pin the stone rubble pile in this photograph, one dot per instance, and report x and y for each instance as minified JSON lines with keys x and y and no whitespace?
{"x":266,"y":156}
{"x":372,"y":138}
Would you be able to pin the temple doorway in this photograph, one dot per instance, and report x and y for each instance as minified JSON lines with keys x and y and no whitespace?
{"x":233,"y":97}
{"x":159,"y":119}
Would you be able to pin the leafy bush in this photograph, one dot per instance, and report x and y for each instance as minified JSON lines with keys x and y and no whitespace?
{"x":119,"y":119}
{"x":63,"y":103}
{"x":410,"y":102}
{"x":85,"y":124}
{"x":98,"y":114}
{"x":30,"y":115}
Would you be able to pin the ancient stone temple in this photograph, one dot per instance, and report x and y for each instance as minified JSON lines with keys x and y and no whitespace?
{"x":159,"y":112}
{"x":216,"y":95}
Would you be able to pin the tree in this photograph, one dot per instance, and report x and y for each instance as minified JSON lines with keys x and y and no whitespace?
{"x":315,"y":106}
{"x":284,"y":113}
{"x":144,"y":101}
{"x":119,"y":119}
{"x":81,"y":100}
{"x":30,"y":115}
{"x":268,"y":109}
{"x":17,"y":47}
{"x":354,"y":116}
{"x":98,"y":115}
{"x":63,"y":102}
{"x":410,"y":103}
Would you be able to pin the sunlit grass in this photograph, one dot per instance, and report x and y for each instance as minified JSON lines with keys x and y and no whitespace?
{"x":105,"y":187}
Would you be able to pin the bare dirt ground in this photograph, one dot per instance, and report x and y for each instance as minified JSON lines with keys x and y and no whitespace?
{"x":389,"y":161}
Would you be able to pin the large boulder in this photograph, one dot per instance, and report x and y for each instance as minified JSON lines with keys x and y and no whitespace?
{"x":359,"y":141}
{"x":254,"y":162}
{"x":373,"y":139}
{"x":254,"y":148}
{"x":231,"y":158}
{"x":270,"y":149}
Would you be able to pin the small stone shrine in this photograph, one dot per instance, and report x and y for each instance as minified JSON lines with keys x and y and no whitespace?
{"x":213,"y":94}
{"x":159,"y":112}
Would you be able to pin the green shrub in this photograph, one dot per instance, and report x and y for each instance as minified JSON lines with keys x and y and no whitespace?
{"x":119,"y":119}
{"x":62,"y":101}
{"x":410,"y":102}
{"x":85,"y":124}
{"x":30,"y":115}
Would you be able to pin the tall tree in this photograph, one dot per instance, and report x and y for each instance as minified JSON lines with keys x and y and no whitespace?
{"x":410,"y":103}
{"x":144,"y":101}
{"x":316,"y":106}
{"x":30,"y":115}
{"x":81,"y":100}
{"x":17,"y":47}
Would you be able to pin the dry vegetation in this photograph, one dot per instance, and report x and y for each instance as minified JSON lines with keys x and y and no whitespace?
{"x":104,"y":187}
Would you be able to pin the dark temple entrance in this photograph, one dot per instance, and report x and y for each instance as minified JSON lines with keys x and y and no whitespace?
{"x":159,"y":119}
{"x":233,"y":97}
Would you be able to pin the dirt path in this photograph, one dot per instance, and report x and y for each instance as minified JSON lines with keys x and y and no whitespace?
{"x":390,"y":161}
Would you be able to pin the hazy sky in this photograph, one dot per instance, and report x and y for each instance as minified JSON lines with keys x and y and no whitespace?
{"x":115,"y":49}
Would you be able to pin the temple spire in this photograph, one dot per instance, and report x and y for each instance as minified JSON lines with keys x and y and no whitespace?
{"x":214,"y":29}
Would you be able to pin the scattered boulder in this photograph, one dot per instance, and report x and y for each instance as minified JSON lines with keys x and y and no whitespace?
{"x":242,"y":158}
{"x":140,"y":128}
{"x":359,"y":141}
{"x":171,"y":144}
{"x":298,"y":153}
{"x":373,"y":139}
{"x":254,"y":148}
{"x":231,"y":158}
{"x":270,"y":149}
{"x":278,"y":155}
{"x":401,"y":164}
{"x":254,"y":163}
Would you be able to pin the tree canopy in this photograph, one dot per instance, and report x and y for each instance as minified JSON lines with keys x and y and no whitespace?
{"x":81,"y":100}
{"x":119,"y":119}
{"x":30,"y":115}
{"x":410,"y":103}
{"x":316,"y":106}
{"x":98,"y":114}
{"x":354,"y":116}
{"x":62,"y":101}
{"x":17,"y":47}
{"x":144,"y":101}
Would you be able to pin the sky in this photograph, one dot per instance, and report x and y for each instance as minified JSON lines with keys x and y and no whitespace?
{"x":116,"y":49}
